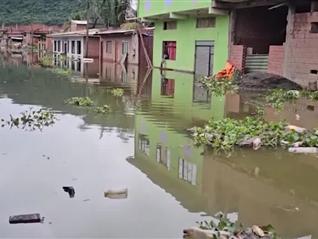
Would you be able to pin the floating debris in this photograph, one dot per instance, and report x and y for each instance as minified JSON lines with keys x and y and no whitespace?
{"x":303,"y":150}
{"x":27,"y":218}
{"x":116,"y":194}
{"x":31,"y":120}
{"x":70,"y":191}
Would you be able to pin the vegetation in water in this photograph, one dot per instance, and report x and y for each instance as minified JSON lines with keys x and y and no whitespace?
{"x":118,"y":92}
{"x":219,"y":87}
{"x":62,"y":72}
{"x":224,"y":135}
{"x":80,"y":101}
{"x":31,"y":120}
{"x":102,"y":109}
{"x":46,"y":61}
{"x":278,"y":97}
{"x":222,"y":227}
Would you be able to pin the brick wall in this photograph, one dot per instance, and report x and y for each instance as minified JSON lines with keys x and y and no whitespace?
{"x":302,"y":51}
{"x":237,"y":56}
{"x":276,"y":60}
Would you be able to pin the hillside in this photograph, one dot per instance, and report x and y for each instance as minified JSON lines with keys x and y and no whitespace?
{"x":36,"y":11}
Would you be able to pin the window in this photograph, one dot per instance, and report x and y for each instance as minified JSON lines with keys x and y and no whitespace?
{"x":171,"y":25}
{"x":144,"y":144}
{"x":169,"y":50}
{"x":314,"y":27}
{"x":79,"y":47}
{"x":109,"y":47}
{"x":163,"y":156}
{"x":59,"y":46}
{"x":205,"y":22}
{"x":187,"y":171}
{"x":55,"y":46}
{"x":124,"y":47}
{"x":167,"y":87}
{"x":73,"y":47}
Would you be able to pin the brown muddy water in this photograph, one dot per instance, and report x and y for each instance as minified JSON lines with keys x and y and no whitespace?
{"x":142,"y":145}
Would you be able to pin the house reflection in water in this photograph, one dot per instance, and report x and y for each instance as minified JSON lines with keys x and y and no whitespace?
{"x":262,"y":188}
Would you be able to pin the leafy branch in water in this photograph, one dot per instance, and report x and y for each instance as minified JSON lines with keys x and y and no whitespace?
{"x":31,"y":120}
{"x":224,"y":135}
{"x":80,"y":101}
{"x":118,"y":92}
{"x":223,"y":227}
{"x":278,"y":97}
{"x":220,"y":86}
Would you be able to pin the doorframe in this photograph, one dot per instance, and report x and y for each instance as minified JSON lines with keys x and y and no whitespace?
{"x":210,"y":53}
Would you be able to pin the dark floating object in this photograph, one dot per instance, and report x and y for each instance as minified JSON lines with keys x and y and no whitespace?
{"x":27,"y":218}
{"x":117,"y":194}
{"x":70,"y":191}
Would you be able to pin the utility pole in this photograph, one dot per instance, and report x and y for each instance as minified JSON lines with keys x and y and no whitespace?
{"x":87,"y":29}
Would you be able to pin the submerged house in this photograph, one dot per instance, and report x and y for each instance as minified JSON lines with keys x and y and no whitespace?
{"x":126,"y":46}
{"x":189,"y":36}
{"x":278,"y":37}
{"x":72,"y":44}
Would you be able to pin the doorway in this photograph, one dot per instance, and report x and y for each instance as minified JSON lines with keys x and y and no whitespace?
{"x":204,"y":57}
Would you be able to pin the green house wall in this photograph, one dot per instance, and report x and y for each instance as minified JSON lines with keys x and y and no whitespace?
{"x":185,"y":36}
{"x":155,"y":7}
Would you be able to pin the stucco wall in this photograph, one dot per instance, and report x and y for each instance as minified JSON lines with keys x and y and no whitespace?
{"x":185,"y":35}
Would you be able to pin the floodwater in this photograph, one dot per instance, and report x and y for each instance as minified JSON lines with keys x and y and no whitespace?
{"x":142,"y":145}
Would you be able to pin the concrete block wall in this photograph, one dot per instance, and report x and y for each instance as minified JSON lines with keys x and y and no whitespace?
{"x":276,"y":60}
{"x":237,"y":56}
{"x":302,"y":50}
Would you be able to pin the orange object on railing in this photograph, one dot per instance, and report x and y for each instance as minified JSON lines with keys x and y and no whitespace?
{"x":226,"y":73}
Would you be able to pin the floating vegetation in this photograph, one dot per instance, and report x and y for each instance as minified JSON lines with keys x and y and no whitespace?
{"x":278,"y":97}
{"x":31,"y":120}
{"x":226,"y":134}
{"x":46,"y":60}
{"x":62,"y":72}
{"x":102,"y":109}
{"x":220,"y":86}
{"x":80,"y":101}
{"x":223,"y":227}
{"x":118,"y":92}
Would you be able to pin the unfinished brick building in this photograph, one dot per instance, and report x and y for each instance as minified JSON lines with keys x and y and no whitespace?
{"x":275,"y":36}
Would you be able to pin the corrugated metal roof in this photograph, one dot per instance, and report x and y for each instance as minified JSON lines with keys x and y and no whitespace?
{"x":92,"y":32}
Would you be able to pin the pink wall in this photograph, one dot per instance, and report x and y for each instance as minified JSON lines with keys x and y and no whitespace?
{"x":302,"y":50}
{"x":93,"y":47}
{"x":237,"y":56}
{"x":276,"y":60}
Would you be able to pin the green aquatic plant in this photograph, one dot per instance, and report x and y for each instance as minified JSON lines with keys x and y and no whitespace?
{"x":226,"y":134}
{"x":278,"y":97}
{"x":46,"y":60}
{"x":222,"y":227}
{"x":62,"y":72}
{"x":118,"y":92}
{"x":31,"y":119}
{"x":102,"y":109}
{"x":218,"y":87}
{"x":80,"y":101}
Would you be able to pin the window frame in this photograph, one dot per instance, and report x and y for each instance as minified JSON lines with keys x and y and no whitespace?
{"x":109,"y":46}
{"x":170,"y":25}
{"x":203,"y":22}
{"x":165,"y":50}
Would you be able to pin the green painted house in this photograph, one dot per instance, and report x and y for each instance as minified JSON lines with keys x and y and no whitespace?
{"x":189,"y":35}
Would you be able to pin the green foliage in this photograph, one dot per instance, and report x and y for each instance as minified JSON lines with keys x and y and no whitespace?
{"x":80,"y":101}
{"x":31,"y":120}
{"x":102,"y":109}
{"x":36,"y":11}
{"x":107,"y":12}
{"x":278,"y":97}
{"x":118,"y":92}
{"x":62,"y":72}
{"x":218,"y":87}
{"x":222,"y":227}
{"x":46,"y":60}
{"x":224,"y":135}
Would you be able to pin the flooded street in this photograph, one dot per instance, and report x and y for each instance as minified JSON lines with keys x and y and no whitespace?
{"x":142,"y":145}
